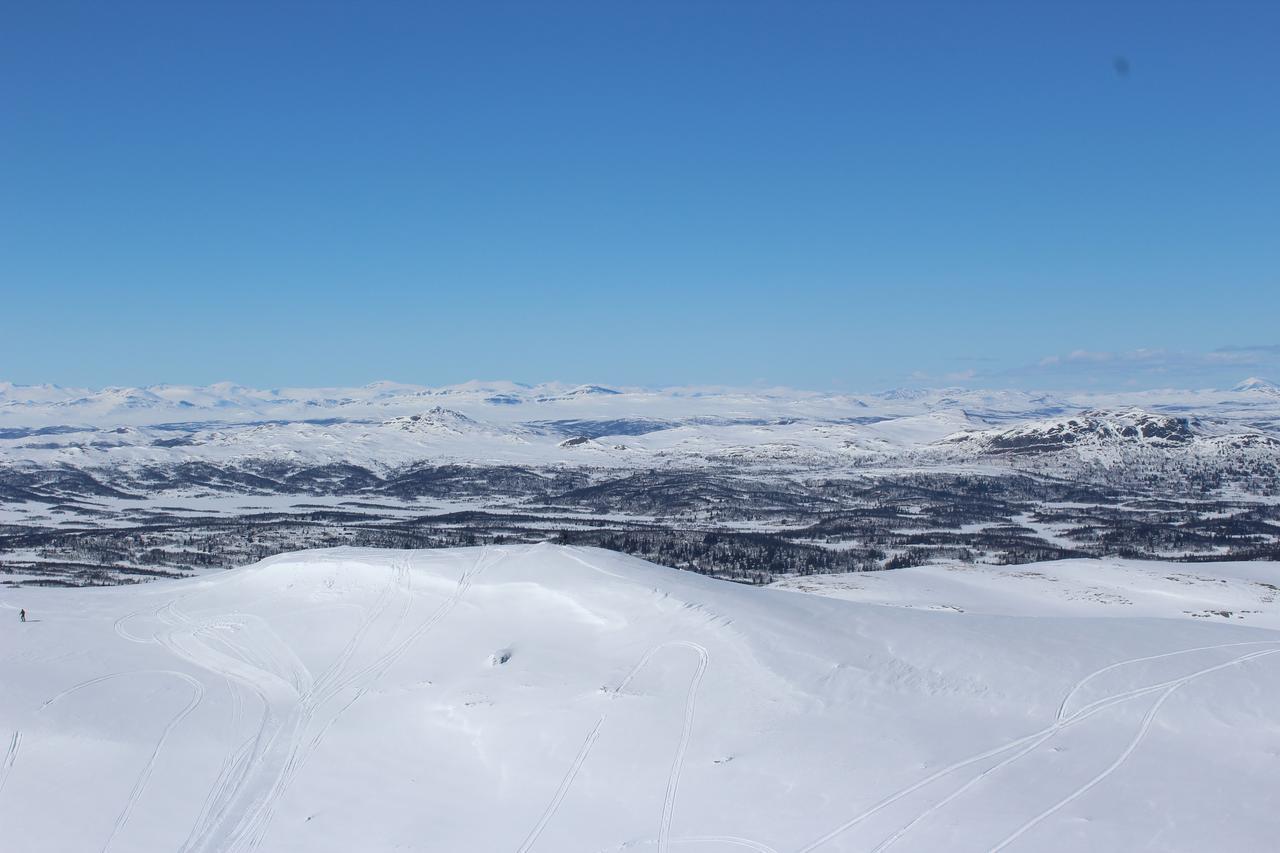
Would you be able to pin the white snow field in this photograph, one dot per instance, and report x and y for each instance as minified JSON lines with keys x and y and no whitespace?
{"x":539,"y":698}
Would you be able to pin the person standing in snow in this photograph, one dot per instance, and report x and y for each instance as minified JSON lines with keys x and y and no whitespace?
{"x":22,"y":614}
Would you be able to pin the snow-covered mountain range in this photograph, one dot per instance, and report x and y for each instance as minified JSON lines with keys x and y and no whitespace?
{"x":387,"y":424}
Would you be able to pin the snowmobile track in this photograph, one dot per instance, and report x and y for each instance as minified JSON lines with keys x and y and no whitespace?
{"x":1062,"y":709}
{"x":1034,"y":739}
{"x":277,"y":690}
{"x":1143,"y":728}
{"x":1081,"y":715}
{"x":677,"y":764}
{"x":320,"y":692}
{"x":673,"y":780}
{"x":140,"y":785}
{"x":250,"y":829}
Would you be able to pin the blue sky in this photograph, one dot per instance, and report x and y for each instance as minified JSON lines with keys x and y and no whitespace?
{"x":828,"y":195}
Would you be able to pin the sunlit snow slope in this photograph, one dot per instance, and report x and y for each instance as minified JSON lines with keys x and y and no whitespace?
{"x":552,"y":699}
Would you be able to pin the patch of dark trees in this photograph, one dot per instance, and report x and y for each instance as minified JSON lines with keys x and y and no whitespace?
{"x":731,"y":523}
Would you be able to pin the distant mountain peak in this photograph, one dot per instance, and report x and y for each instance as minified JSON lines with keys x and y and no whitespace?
{"x":1257,"y":383}
{"x":1089,"y":428}
{"x":436,"y":419}
{"x":578,"y":392}
{"x":907,"y":394}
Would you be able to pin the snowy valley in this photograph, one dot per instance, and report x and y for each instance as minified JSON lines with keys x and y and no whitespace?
{"x":123,"y":484}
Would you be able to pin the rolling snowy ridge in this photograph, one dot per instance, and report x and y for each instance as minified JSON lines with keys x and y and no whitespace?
{"x":549,"y":699}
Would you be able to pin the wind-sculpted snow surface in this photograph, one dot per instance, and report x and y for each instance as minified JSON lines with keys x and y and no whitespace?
{"x":541,"y":698}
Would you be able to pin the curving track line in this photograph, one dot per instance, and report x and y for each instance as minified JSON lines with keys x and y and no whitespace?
{"x":677,"y":765}
{"x":581,"y":757}
{"x":1143,"y":728}
{"x":231,"y":776}
{"x":236,"y":817}
{"x":250,"y":757}
{"x":1035,"y":738}
{"x":278,"y":692}
{"x":673,"y":779}
{"x":123,"y":633}
{"x":140,"y":785}
{"x":1079,"y":716}
{"x":365,"y":678}
{"x":254,"y":826}
{"x":1062,"y":708}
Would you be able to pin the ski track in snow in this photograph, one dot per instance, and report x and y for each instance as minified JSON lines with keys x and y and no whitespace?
{"x":1062,"y":723}
{"x":1037,"y":738}
{"x":321,"y":691}
{"x":1143,"y":728}
{"x":232,"y":800}
{"x":367,"y":677}
{"x":673,"y":780}
{"x":677,"y":765}
{"x":123,"y":633}
{"x":229,"y":778}
{"x":1062,"y":708}
{"x":225,"y":826}
{"x":10,"y":756}
{"x":563,"y":789}
{"x":140,"y":785}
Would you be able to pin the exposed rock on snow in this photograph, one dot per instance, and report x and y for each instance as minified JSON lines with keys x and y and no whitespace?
{"x":1092,"y":427}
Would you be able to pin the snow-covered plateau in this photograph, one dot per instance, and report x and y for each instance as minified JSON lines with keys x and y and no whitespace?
{"x":542,"y":698}
{"x":123,"y":484}
{"x":386,"y":425}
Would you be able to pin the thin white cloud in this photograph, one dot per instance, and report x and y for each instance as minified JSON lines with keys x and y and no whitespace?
{"x":1090,"y":356}
{"x":1221,"y":367}
{"x":1149,"y":367}
{"x":1156,"y":359}
{"x":1260,"y":348}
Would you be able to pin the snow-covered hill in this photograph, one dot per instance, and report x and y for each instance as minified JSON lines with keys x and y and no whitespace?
{"x":1091,"y":428}
{"x":1255,"y":383}
{"x":1127,"y":443}
{"x":519,"y":698}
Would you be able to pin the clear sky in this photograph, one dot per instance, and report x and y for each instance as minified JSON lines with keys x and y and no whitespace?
{"x":846,"y":195}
